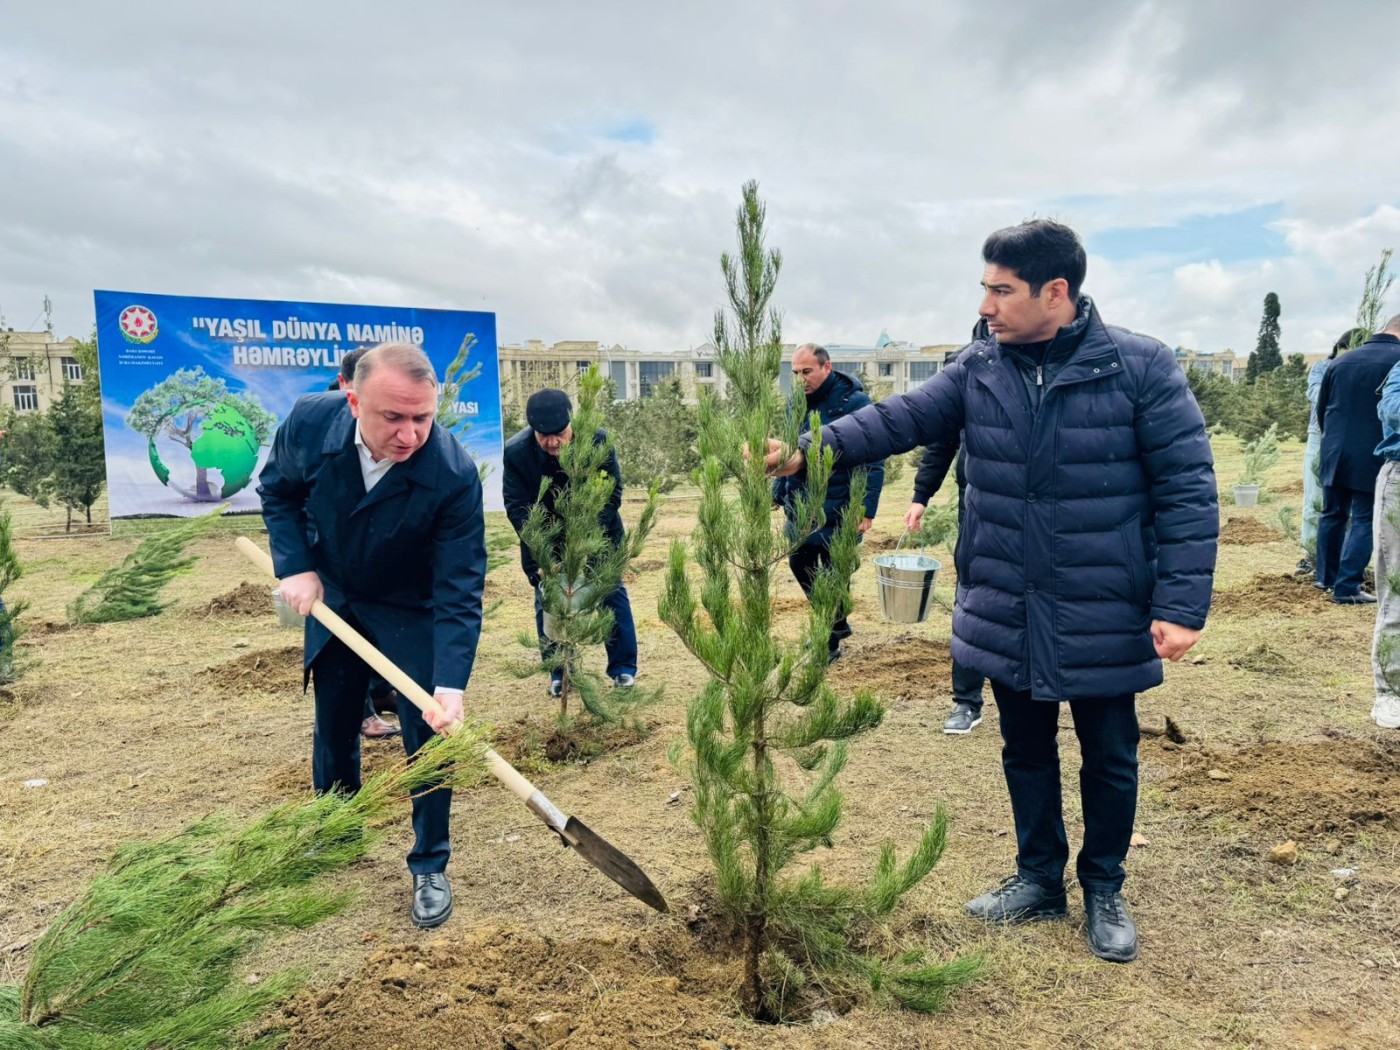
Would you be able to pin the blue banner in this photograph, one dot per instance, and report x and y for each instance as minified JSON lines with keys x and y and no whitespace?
{"x":193,"y":389}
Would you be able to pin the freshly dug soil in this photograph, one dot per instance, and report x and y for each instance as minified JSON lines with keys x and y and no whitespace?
{"x":1333,"y":788}
{"x":1269,"y":592}
{"x":259,"y":671}
{"x":582,"y":741}
{"x":1245,"y":532}
{"x":247,"y":599}
{"x":503,"y":987}
{"x":906,"y":666}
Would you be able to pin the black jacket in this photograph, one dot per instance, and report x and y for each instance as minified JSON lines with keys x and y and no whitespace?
{"x":1346,"y":413}
{"x":839,"y":396}
{"x":525,"y":466}
{"x":407,"y":559}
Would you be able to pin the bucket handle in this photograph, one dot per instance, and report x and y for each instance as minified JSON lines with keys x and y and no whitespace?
{"x":904,"y":536}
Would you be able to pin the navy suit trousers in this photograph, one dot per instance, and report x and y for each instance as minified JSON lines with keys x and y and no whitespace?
{"x":1344,"y":538}
{"x":340,"y":680}
{"x":1108,"y":785}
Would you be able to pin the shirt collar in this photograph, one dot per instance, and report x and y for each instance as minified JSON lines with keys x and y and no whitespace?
{"x":366,"y":456}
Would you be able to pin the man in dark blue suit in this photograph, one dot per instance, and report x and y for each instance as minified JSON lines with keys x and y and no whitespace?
{"x":375,"y":510}
{"x":1351,"y":430}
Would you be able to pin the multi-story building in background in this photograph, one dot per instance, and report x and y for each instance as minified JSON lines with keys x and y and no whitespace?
{"x":886,"y":366}
{"x":33,"y":369}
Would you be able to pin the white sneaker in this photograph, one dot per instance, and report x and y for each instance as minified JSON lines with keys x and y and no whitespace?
{"x":1386,"y":712}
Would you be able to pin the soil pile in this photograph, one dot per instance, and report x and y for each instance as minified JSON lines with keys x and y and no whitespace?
{"x":510,"y":988}
{"x":1335,"y":788}
{"x":1282,"y":592}
{"x":906,"y":666}
{"x":259,"y":671}
{"x":581,"y":741}
{"x":1245,"y":532}
{"x":247,"y":599}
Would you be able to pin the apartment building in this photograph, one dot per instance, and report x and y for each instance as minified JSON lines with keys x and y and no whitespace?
{"x":33,"y":369}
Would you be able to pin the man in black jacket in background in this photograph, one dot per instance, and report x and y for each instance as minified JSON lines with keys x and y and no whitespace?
{"x":531,"y":455}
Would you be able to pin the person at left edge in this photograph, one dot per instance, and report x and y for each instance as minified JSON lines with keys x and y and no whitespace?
{"x":376,"y":510}
{"x":531,"y":455}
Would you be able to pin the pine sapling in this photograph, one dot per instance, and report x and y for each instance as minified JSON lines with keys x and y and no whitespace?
{"x":146,"y":956}
{"x":132,"y":589}
{"x":579,"y":565}
{"x":1260,"y":456}
{"x":768,"y":736}
{"x":11,"y":664}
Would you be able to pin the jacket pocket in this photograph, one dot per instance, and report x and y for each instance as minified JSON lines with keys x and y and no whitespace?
{"x":1135,"y":558}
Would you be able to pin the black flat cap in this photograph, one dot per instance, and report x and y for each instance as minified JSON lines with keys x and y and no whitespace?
{"x":548,"y":411}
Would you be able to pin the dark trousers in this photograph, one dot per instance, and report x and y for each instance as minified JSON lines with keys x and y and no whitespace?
{"x":967,"y":686}
{"x":341,"y":679}
{"x":806,"y":562}
{"x":1108,"y":781}
{"x":621,"y":644}
{"x":1344,"y":538}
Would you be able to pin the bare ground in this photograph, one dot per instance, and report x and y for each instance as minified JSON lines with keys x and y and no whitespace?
{"x":140,"y":728}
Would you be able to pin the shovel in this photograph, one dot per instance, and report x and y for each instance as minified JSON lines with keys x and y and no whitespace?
{"x":608,"y":859}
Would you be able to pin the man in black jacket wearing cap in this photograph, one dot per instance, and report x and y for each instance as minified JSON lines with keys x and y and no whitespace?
{"x":533,"y":455}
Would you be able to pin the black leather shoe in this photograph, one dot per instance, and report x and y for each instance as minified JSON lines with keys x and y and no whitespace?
{"x":1016,"y":900}
{"x":432,"y":900}
{"x":1359,"y":598}
{"x":1111,"y":933}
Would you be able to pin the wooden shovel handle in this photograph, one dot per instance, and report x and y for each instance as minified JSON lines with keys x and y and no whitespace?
{"x":406,"y":686}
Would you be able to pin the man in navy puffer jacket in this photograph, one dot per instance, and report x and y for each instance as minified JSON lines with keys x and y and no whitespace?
{"x":1086,"y":555}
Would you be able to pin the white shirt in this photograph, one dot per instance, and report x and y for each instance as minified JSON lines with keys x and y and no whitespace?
{"x":373,"y":472}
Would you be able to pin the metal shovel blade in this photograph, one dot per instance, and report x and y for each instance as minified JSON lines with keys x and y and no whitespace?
{"x":613,"y":863}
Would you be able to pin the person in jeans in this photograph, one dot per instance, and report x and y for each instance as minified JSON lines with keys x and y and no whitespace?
{"x":1346,"y":414}
{"x":1385,"y":645}
{"x":1086,"y":558}
{"x":1312,"y":488}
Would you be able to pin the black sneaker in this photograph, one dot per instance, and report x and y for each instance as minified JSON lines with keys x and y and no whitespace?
{"x":556,"y":687}
{"x":1017,"y":900}
{"x":964,"y":719}
{"x":1111,"y":932}
{"x":832,"y":655}
{"x":1359,"y":598}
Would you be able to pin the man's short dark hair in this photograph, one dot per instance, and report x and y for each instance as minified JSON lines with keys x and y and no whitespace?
{"x":347,"y":363}
{"x":818,"y":352}
{"x":1039,"y":250}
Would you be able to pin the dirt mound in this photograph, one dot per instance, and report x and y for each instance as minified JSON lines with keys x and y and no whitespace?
{"x":247,"y":599}
{"x":1245,"y":532}
{"x":293,"y":779}
{"x":45,"y":628}
{"x":1293,"y":488}
{"x":905,"y":666}
{"x":510,"y":988}
{"x":259,"y":671}
{"x":1336,"y":788}
{"x":523,"y":740}
{"x":1282,"y":592}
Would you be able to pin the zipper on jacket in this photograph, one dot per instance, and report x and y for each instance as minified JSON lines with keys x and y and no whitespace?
{"x":1039,"y":375}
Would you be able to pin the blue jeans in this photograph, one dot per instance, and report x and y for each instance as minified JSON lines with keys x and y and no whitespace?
{"x":1108,"y":785}
{"x":1344,"y":539}
{"x":967,"y":686}
{"x":1312,"y":494}
{"x":621,"y":644}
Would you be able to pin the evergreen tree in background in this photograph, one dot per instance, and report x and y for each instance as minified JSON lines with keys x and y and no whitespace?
{"x":10,"y":571}
{"x":579,"y":566}
{"x":1266,"y":357}
{"x":768,"y":735}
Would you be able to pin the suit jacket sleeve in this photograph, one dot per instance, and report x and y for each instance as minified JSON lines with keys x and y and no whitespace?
{"x":614,"y":469}
{"x":459,"y":577}
{"x":518,"y":501}
{"x":1171,"y":439}
{"x":283,"y":488}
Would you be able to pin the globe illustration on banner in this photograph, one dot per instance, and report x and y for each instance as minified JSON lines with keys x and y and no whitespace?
{"x":218,"y":461}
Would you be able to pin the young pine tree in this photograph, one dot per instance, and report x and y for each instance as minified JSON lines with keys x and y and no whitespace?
{"x":132,"y":589}
{"x":580,"y":567}
{"x":10,"y":570}
{"x":768,"y":735}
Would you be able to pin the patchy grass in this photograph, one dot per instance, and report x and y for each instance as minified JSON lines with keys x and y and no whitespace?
{"x":140,"y":728}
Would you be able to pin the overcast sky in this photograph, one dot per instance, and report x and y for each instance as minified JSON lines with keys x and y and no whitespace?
{"x":575,"y":166}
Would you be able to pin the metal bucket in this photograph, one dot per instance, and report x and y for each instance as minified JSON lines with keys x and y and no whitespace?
{"x":286,"y":617}
{"x":905,"y":581}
